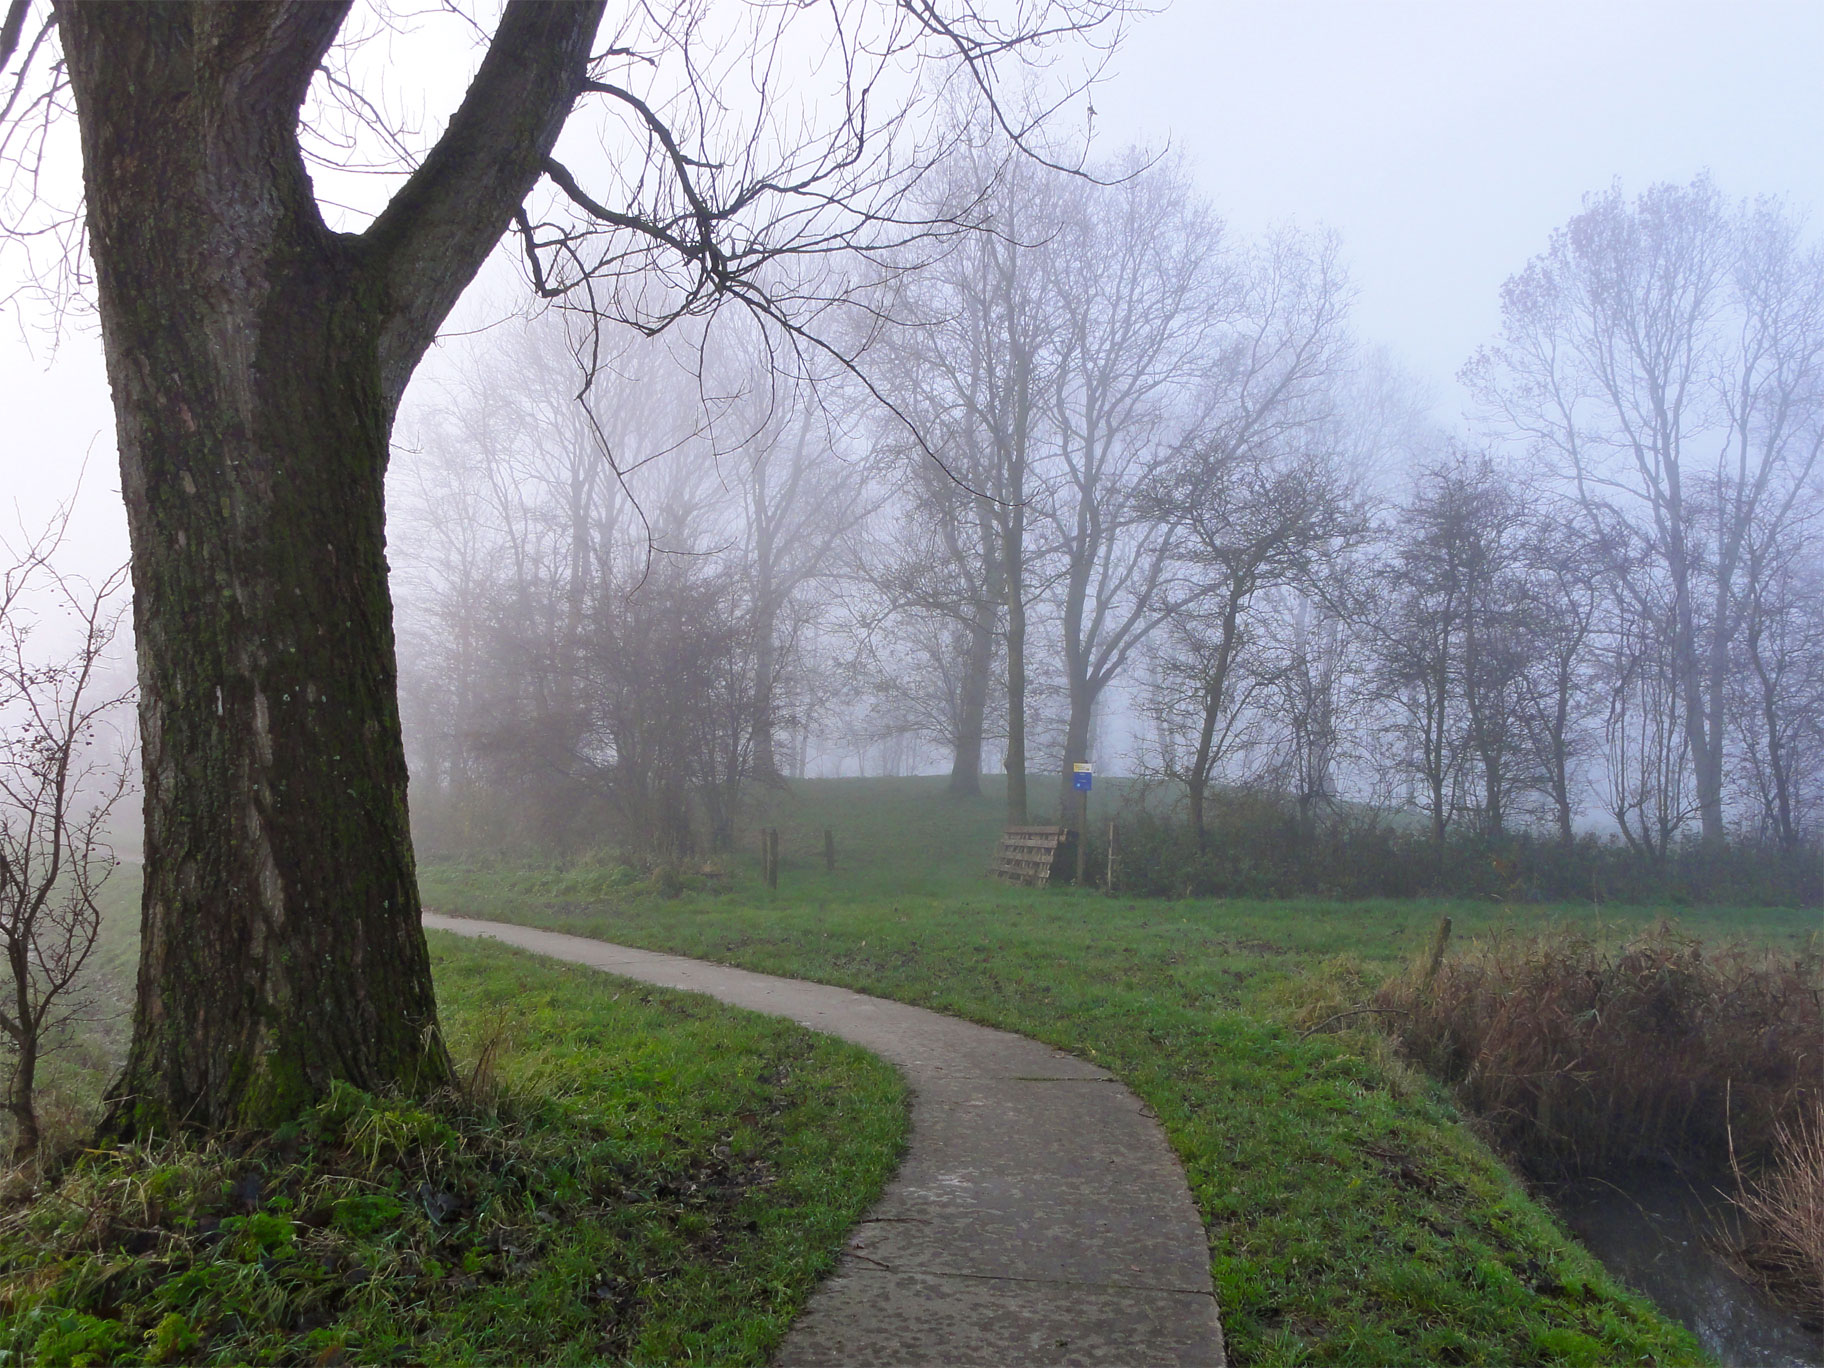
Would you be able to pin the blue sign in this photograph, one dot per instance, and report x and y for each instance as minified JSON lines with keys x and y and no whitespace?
{"x":1080,"y":777}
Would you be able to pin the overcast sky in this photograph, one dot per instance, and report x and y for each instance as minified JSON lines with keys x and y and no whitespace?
{"x":1445,"y":139}
{"x":1442,"y":139}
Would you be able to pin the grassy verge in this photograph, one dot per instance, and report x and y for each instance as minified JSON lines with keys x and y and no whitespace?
{"x":630,"y":1176}
{"x":1353,"y":1217}
{"x":84,"y":1053}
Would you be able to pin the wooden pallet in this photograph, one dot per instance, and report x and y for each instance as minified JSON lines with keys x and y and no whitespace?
{"x":1031,"y":855}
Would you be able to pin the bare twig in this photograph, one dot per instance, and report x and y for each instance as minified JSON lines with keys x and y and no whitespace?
{"x":1353,"y":1012}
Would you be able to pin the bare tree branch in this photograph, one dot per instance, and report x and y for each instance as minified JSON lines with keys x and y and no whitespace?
{"x":436,"y":230}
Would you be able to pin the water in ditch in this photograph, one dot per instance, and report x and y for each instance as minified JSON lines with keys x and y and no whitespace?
{"x":1657,"y":1232}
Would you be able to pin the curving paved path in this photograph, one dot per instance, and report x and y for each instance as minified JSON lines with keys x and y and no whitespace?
{"x":1039,"y":1217}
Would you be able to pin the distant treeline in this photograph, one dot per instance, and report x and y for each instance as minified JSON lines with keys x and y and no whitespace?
{"x":1143,"y":497}
{"x":1256,"y":847}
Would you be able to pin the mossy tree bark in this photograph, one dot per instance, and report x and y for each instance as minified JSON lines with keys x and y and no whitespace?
{"x":256,"y":360}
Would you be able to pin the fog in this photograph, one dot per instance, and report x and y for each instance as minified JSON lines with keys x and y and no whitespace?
{"x":1264,"y":530}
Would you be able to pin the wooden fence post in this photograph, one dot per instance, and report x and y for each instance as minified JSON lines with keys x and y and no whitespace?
{"x":829,"y":850}
{"x":1109,"y":883}
{"x":769,"y":856}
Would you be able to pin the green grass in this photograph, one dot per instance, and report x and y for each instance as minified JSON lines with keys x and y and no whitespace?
{"x":1353,"y":1217}
{"x":630,"y":1176}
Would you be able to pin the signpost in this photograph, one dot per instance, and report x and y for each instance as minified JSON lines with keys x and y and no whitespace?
{"x":1082,"y":775}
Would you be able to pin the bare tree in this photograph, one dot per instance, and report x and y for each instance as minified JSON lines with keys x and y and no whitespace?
{"x":1132,"y":282}
{"x":1779,"y":682}
{"x":438,"y":584}
{"x":937,"y":576}
{"x":1566,"y":585}
{"x":1669,"y":353}
{"x":1309,"y":678}
{"x":671,"y":707}
{"x":509,"y":516}
{"x":1649,"y":777}
{"x":257,"y":360}
{"x":1259,"y":496}
{"x":1450,"y":642}
{"x":61,"y":774}
{"x":801,"y":499}
{"x":538,"y":524}
{"x":1313,"y":634}
{"x":971,"y":371}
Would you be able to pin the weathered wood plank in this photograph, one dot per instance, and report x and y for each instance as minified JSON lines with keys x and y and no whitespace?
{"x":1029,"y":854}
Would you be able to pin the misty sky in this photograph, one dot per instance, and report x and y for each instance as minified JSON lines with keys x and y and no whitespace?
{"x":1442,"y":139}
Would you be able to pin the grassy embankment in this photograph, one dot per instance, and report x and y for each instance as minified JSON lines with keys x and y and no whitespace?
{"x":627,"y":1175}
{"x":1353,"y":1217}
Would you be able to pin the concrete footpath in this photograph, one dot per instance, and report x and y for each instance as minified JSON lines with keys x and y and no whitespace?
{"x":1039,"y":1217}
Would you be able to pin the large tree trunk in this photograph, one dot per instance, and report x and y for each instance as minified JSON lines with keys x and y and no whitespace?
{"x":1215,"y":690}
{"x":1558,"y":755}
{"x":1692,"y":658}
{"x":1703,"y":741}
{"x":1015,"y":581}
{"x":1436,"y":741}
{"x":1712,"y":724}
{"x":1560,"y":780}
{"x":1197,"y":778}
{"x":256,"y":359}
{"x":972,"y":710}
{"x":1779,"y":765}
{"x":1073,"y":803}
{"x":766,"y":663}
{"x":282,"y":947}
{"x":978,"y":676}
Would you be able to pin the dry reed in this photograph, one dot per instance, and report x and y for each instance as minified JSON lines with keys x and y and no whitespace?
{"x":1581,"y":1058}
{"x":1784,"y":1207}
